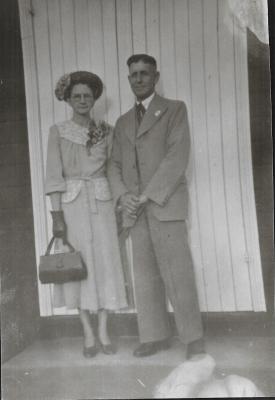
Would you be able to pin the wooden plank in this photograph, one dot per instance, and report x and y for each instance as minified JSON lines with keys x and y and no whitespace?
{"x":35,"y":148}
{"x":83,"y":48}
{"x":81,"y":34}
{"x":231,"y":161}
{"x":201,"y":156}
{"x":111,"y":60}
{"x":45,"y":88}
{"x":43,"y":60}
{"x":182,"y":51}
{"x":125,"y":49}
{"x":97,"y":62}
{"x":152,"y":29}
{"x":46,"y":99}
{"x":56,"y":50}
{"x":68,"y":36}
{"x":220,"y":218}
{"x":139,"y":26}
{"x":167,"y":49}
{"x":245,"y":159}
{"x":184,"y":93}
{"x":68,"y":41}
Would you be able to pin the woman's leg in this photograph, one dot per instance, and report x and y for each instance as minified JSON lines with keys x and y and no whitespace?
{"x":102,"y":327}
{"x":89,"y":338}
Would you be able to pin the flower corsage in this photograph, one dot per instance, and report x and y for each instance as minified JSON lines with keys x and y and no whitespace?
{"x":96,"y":133}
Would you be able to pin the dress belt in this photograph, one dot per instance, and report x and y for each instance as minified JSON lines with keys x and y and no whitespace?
{"x":90,"y":192}
{"x":89,"y":186}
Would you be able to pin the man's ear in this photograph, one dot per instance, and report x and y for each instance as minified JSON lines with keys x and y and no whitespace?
{"x":157,"y":76}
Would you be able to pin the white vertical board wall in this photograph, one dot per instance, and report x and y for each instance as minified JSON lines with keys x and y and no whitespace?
{"x":202,"y":61}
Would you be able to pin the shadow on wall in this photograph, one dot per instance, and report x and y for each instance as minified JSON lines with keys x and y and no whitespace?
{"x":262,"y":155}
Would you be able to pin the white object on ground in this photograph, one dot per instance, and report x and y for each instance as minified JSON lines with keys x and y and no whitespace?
{"x":195,"y":379}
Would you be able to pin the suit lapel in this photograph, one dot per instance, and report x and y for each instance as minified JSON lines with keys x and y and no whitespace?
{"x":131,"y":125}
{"x":156,"y":109}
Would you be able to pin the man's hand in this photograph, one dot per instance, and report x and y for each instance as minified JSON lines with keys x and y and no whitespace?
{"x":129,"y":203}
{"x":143,"y":199}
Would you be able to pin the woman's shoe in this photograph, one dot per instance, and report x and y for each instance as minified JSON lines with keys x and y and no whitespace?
{"x":90,"y":352}
{"x":107,"y":348}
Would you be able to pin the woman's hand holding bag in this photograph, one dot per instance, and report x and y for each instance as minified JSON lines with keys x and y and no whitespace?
{"x":61,"y":267}
{"x":59,"y":225}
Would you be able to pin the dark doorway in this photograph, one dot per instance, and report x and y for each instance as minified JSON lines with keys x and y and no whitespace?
{"x":19,"y":300}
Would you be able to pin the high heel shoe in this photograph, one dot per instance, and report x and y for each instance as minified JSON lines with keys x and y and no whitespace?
{"x":107,"y":348}
{"x":90,"y":352}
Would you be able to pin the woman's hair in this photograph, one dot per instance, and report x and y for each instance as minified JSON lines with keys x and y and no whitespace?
{"x":66,"y":83}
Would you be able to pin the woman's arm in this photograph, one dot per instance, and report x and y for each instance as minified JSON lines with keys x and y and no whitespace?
{"x":55,"y":181}
{"x":56,"y":201}
{"x":59,"y":225}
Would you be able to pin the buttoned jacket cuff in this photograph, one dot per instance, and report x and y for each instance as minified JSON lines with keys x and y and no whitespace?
{"x":159,"y":200}
{"x":55,"y":187}
{"x":117,"y":198}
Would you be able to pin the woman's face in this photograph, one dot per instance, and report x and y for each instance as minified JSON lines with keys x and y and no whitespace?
{"x":82,"y":99}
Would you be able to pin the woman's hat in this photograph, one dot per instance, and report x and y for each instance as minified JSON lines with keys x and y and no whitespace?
{"x":66,"y":82}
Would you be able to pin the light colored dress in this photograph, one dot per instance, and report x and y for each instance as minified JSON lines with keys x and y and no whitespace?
{"x":89,"y":215}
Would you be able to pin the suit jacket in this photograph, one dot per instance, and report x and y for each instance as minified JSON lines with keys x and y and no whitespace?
{"x":162,"y":144}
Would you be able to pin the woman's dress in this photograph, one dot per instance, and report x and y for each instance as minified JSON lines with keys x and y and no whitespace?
{"x":89,"y":215}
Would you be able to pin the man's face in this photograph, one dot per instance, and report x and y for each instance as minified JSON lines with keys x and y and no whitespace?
{"x":142,"y":78}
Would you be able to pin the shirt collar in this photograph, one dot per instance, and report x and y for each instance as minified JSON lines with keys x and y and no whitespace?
{"x":146,"y":102}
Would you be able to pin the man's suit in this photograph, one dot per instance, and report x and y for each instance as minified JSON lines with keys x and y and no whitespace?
{"x":151,"y":159}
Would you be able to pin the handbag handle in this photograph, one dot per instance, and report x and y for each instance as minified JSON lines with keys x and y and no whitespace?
{"x":66,"y":242}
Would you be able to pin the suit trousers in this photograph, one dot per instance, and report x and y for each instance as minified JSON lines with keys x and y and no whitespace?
{"x":163,"y":267}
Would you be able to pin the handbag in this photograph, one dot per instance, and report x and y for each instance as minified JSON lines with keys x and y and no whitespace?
{"x":61,"y":267}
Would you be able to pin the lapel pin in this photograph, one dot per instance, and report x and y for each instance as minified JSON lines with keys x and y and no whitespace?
{"x":157,"y":113}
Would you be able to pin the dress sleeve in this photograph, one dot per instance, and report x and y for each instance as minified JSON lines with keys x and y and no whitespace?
{"x":55,"y":181}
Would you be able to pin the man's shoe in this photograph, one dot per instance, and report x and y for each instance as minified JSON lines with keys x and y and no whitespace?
{"x":195,"y":348}
{"x":150,"y":348}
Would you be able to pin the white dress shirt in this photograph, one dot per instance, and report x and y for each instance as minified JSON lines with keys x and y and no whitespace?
{"x":146,"y":102}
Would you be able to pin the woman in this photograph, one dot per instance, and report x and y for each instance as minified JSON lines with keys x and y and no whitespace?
{"x":82,"y":208}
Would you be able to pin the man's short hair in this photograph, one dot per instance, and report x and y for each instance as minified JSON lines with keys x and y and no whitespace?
{"x":142,"y":57}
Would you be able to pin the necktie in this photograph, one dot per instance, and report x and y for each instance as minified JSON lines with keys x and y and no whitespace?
{"x":140,"y":109}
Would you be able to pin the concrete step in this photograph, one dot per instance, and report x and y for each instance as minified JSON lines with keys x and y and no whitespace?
{"x":57,"y":370}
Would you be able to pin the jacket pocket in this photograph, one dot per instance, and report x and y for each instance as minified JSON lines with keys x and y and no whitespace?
{"x":73,"y":188}
{"x":176,"y":208}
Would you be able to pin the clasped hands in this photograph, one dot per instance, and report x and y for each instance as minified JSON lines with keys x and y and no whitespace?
{"x":132,"y":204}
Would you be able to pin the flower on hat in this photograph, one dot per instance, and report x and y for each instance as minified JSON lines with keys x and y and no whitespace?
{"x":62,"y":85}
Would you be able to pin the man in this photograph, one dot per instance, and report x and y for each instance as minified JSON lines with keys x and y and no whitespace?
{"x":147,"y":174}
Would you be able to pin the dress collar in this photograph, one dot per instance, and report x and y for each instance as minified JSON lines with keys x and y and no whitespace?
{"x":74,"y":132}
